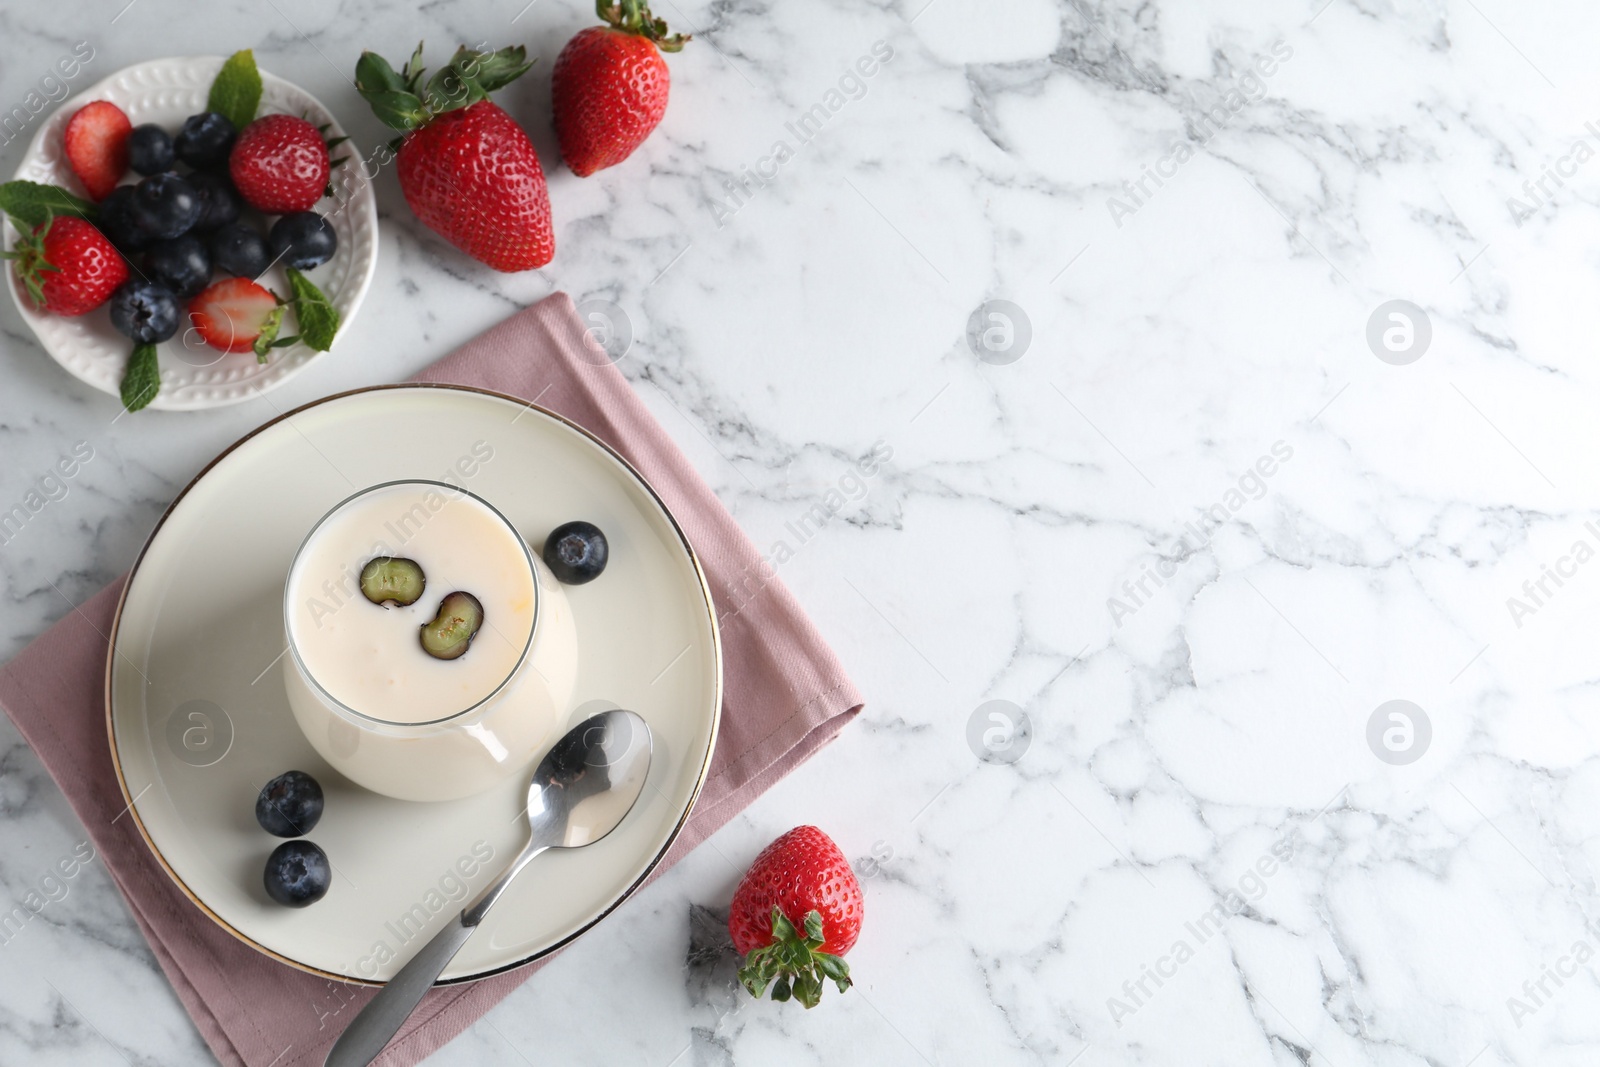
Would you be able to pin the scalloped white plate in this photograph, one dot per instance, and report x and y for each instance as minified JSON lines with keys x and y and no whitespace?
{"x":194,"y":375}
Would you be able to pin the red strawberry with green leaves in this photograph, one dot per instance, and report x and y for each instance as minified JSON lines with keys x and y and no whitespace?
{"x":279,"y":164}
{"x":796,"y":911}
{"x":466,"y":168}
{"x":67,"y":265}
{"x":609,"y":88}
{"x":96,"y":146}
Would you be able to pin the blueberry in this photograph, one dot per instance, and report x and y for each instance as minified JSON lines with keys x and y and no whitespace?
{"x":117,"y":222}
{"x":149,"y":149}
{"x":297,"y":874}
{"x":145,"y":311}
{"x":220,"y":202}
{"x":205,"y":140}
{"x":240,"y":251}
{"x":303,"y":240}
{"x":181,"y":264}
{"x":290,"y":804}
{"x":576,"y":552}
{"x":166,"y":205}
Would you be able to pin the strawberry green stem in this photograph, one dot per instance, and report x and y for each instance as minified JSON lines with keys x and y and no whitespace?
{"x":633,"y":16}
{"x":794,"y":965}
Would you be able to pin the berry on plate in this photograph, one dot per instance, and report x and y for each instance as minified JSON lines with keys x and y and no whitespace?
{"x":219,"y":204}
{"x":205,"y":140}
{"x":239,"y":250}
{"x":68,"y":266}
{"x":166,"y":206}
{"x":233,"y":314}
{"x":96,"y":144}
{"x":303,"y":240}
{"x":150,"y":149}
{"x":116,"y":220}
{"x":576,"y":552}
{"x":467,"y":170}
{"x":182,"y":264}
{"x":796,"y":911}
{"x":279,"y":164}
{"x":609,"y":86}
{"x":297,"y":874}
{"x":290,"y":805}
{"x":144,"y":311}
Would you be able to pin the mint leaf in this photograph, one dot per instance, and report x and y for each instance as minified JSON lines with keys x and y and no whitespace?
{"x":318,"y":318}
{"x":237,"y":91}
{"x":32,"y":204}
{"x":142,"y":380}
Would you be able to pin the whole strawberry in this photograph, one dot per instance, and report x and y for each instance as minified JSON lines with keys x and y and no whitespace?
{"x":68,"y":266}
{"x":279,"y":164}
{"x":609,"y":88}
{"x":796,"y":911}
{"x":466,"y":168}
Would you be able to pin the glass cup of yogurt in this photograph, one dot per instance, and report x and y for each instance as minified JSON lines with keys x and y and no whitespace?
{"x":431,"y":653}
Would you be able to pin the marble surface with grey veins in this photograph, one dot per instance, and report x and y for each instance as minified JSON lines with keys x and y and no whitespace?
{"x":1238,"y":364}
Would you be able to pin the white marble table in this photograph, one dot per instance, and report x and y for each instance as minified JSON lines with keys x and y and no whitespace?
{"x":1198,"y":857}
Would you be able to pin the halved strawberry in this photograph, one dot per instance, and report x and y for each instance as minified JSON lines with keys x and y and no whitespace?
{"x":96,"y":144}
{"x":234,"y":314}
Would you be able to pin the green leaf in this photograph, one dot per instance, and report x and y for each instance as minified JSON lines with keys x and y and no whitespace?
{"x":269,"y":333}
{"x":318,"y":318}
{"x":237,"y":91}
{"x":780,"y":988}
{"x":450,"y":89}
{"x":808,"y":989}
{"x":834,"y":967}
{"x":375,"y":75}
{"x":32,"y":204}
{"x":782,"y":928}
{"x":142,"y":380}
{"x":814,"y":927}
{"x":494,"y":70}
{"x":398,"y":110}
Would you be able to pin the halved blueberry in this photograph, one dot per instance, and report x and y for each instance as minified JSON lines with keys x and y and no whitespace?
{"x":450,"y":632}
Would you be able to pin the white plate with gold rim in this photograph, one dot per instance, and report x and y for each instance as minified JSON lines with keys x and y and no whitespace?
{"x":199,"y":720}
{"x":193,"y":374}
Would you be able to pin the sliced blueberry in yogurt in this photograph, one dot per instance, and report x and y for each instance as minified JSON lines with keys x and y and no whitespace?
{"x":392,"y":580}
{"x":450,"y":632}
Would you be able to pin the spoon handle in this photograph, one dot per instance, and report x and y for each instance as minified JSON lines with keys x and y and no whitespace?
{"x":381,"y":1019}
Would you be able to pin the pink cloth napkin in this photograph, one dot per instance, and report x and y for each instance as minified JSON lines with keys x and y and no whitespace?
{"x":785,"y":696}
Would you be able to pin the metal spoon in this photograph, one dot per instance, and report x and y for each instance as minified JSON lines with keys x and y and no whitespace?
{"x":582,"y":789}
